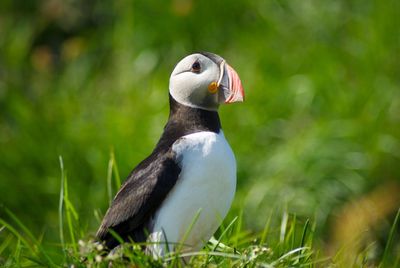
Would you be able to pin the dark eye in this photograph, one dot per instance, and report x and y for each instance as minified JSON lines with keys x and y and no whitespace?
{"x":196,"y":67}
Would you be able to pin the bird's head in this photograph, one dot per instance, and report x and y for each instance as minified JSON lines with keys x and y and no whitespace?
{"x":204,"y":80}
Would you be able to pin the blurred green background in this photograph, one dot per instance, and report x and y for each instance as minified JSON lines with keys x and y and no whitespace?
{"x":319,"y":130}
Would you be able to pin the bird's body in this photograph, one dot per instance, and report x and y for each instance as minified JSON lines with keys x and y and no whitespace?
{"x":207,"y":183}
{"x":183,"y":190}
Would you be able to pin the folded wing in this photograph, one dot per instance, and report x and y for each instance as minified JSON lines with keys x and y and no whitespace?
{"x":139,"y":197}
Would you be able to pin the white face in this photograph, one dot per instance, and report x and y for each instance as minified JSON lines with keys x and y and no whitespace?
{"x":190,"y":80}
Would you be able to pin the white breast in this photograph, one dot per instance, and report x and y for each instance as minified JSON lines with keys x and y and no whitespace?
{"x":206,"y":187}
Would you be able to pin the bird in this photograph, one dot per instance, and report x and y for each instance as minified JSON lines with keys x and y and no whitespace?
{"x":178,"y":196}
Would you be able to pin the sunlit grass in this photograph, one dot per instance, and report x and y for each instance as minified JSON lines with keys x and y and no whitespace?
{"x":223,"y":251}
{"x":292,"y":243}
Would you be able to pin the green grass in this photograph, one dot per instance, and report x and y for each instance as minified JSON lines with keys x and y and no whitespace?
{"x":292,"y":243}
{"x":233,"y":248}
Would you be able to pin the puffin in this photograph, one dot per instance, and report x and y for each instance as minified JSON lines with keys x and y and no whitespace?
{"x":177,"y":197}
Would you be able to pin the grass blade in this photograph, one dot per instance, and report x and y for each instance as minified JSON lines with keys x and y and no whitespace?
{"x":109,"y":180}
{"x":70,"y":212}
{"x":266,"y":229}
{"x":286,"y":255}
{"x":292,"y":232}
{"x":116,"y":171}
{"x":284,"y":221}
{"x":390,"y":239}
{"x":238,"y":229}
{"x":206,"y":253}
{"x":224,"y":232}
{"x":303,"y":235}
{"x":60,"y":204}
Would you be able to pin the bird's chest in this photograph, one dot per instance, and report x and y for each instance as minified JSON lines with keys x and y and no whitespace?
{"x":207,"y":162}
{"x":204,"y":190}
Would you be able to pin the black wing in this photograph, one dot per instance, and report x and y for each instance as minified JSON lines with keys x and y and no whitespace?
{"x":139,"y":197}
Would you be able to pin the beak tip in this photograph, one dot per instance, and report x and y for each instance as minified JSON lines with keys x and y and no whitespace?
{"x":235,"y":98}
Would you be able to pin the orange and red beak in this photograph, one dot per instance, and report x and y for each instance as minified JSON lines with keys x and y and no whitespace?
{"x":230,"y":86}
